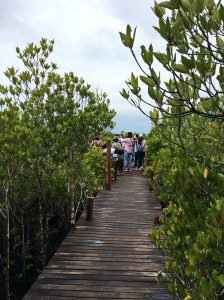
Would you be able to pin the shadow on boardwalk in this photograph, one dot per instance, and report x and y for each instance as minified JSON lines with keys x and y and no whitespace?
{"x":110,"y":257}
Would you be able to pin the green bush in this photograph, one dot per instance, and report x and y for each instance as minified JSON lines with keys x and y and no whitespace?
{"x":191,"y":234}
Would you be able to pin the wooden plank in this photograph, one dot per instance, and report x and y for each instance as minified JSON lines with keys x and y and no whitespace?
{"x":111,"y":256}
{"x":71,"y":258}
{"x":95,"y":282}
{"x":98,"y":276}
{"x":98,"y":295}
{"x":100,"y":287}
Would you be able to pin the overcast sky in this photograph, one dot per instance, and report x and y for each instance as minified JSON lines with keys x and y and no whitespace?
{"x":87,"y":42}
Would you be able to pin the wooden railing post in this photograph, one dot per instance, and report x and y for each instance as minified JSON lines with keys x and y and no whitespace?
{"x":108,"y":165}
{"x":151,"y":176}
{"x":89,"y":209}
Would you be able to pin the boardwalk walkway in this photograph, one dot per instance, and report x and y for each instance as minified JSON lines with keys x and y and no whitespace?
{"x":110,"y":257}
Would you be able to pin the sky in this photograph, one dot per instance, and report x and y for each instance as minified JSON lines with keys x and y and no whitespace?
{"x":87,"y":42}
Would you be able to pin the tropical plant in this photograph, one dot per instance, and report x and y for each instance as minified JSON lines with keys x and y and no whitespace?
{"x":185,"y":146}
{"x":47,"y":122}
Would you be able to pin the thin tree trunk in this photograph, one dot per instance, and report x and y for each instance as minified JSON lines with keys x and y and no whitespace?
{"x":42,"y":240}
{"x":71,"y":188}
{"x":46,"y":237}
{"x":72,"y":203}
{"x":67,"y":224}
{"x":42,"y":201}
{"x":23,"y":250}
{"x":7,"y":267}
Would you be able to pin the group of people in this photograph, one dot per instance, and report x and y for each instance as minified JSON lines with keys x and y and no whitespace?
{"x":126,"y":151}
{"x":133,"y":150}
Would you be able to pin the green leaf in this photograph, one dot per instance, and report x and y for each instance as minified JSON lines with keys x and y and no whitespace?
{"x":210,"y":4}
{"x":152,"y":92}
{"x":147,"y":80}
{"x":161,"y":57}
{"x":199,"y":6}
{"x":220,"y":42}
{"x":194,"y":44}
{"x":198,"y":39}
{"x":124,"y":94}
{"x":175,"y":3}
{"x":204,"y":22}
{"x":157,"y":29}
{"x":201,"y":67}
{"x":155,"y":77}
{"x":214,"y":24}
{"x":158,"y":10}
{"x":177,"y":26}
{"x":215,"y":275}
{"x":188,"y":63}
{"x":221,"y":12}
{"x":126,"y":38}
{"x":180,"y":68}
{"x":3,"y":89}
{"x":134,"y":81}
{"x":205,"y":285}
{"x":172,"y":102}
{"x":216,"y":17}
{"x":168,"y":26}
{"x":169,"y":4}
{"x":154,"y":116}
{"x":186,"y":4}
{"x":159,"y":276}
{"x":147,"y":55}
{"x":162,"y":27}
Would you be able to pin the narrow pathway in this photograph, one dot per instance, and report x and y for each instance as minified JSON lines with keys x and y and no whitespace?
{"x":110,"y":257}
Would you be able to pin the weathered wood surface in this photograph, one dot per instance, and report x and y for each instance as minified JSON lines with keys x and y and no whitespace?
{"x":111,"y":256}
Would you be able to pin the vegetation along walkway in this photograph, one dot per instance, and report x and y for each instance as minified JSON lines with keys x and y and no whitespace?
{"x":111,"y":256}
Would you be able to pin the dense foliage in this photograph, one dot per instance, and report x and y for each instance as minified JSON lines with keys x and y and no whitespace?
{"x":192,"y":231}
{"x":185,"y":146}
{"x":47,"y":122}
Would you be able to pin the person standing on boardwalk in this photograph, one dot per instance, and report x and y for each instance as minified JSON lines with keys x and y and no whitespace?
{"x":135,"y":151}
{"x":141,"y":148}
{"x":128,"y":151}
{"x":97,"y":142}
{"x":118,"y":151}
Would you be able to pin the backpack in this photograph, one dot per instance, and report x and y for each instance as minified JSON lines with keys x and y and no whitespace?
{"x":114,"y":157}
{"x":119,"y":151}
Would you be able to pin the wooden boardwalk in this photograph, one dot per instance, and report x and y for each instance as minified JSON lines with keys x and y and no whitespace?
{"x":110,"y":257}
